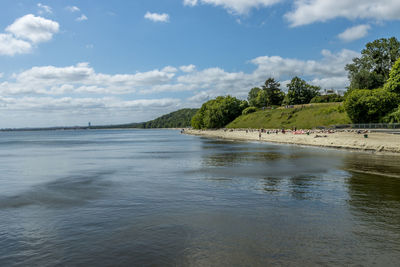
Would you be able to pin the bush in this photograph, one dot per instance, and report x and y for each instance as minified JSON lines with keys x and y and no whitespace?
{"x":365,"y":106}
{"x":249,"y":110}
{"x":327,"y":98}
{"x":393,"y":117}
{"x":218,"y":112}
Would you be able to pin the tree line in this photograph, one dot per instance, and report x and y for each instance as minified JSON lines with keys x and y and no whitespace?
{"x":372,"y":96}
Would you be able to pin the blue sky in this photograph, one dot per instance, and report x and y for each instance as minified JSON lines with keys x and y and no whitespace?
{"x":70,"y":62}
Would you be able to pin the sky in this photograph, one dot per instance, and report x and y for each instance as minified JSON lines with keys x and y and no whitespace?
{"x":70,"y":62}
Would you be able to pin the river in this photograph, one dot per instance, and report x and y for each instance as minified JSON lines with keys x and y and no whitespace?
{"x":159,"y":198}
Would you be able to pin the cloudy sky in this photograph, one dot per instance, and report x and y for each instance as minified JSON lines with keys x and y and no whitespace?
{"x":68,"y":62}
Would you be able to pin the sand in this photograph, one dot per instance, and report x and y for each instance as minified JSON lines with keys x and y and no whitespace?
{"x":376,"y":142}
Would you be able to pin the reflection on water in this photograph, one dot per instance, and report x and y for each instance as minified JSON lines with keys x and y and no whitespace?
{"x":158,"y":198}
{"x":374,"y":197}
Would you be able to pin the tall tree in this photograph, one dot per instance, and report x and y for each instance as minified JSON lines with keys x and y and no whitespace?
{"x":300,"y":92}
{"x":393,"y":83}
{"x":372,"y":69}
{"x":273,"y":93}
{"x":252,"y":97}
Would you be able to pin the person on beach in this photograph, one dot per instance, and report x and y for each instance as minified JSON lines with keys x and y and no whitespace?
{"x":259,"y":135}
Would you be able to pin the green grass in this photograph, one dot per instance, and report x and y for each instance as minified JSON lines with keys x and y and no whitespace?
{"x":307,"y":117}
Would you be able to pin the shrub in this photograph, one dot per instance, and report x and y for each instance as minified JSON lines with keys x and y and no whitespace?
{"x":393,"y":117}
{"x":327,"y":98}
{"x":365,"y":106}
{"x":218,"y":112}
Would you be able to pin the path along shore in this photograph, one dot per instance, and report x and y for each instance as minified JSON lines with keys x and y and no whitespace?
{"x":346,"y":139}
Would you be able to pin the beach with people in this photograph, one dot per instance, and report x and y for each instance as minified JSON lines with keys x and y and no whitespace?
{"x":379,"y":142}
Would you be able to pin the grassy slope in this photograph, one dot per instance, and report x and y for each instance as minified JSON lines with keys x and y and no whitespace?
{"x":307,"y":117}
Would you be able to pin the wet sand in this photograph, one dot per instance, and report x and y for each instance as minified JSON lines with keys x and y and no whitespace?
{"x":375,"y":142}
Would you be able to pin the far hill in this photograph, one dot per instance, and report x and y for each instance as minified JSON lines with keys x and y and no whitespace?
{"x":177,"y":119}
{"x":302,"y":117}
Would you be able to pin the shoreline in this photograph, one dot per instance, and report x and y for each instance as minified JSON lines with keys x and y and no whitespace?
{"x":382,"y":143}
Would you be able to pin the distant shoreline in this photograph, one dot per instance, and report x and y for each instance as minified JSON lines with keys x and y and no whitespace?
{"x":80,"y":128}
{"x":384,"y":143}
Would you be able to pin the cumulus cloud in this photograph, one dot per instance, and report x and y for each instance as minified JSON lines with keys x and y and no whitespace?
{"x":10,"y":46}
{"x":44,"y":9}
{"x":188,"y":68}
{"x":73,"y":8}
{"x":34,"y":29}
{"x":156,"y":17}
{"x":65,"y":90}
{"x":354,"y":33}
{"x":234,"y":6}
{"x":82,"y":78}
{"x":81,"y":18}
{"x":310,"y":11}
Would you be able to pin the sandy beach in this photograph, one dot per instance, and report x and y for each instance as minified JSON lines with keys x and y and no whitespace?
{"x":375,"y":142}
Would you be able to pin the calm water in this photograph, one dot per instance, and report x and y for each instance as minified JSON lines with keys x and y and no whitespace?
{"x":158,"y":198}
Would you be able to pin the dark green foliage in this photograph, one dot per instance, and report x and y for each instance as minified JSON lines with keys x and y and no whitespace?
{"x":177,"y":119}
{"x":269,"y":95}
{"x":365,"y":106}
{"x":393,"y":117}
{"x":218,"y":112}
{"x":249,"y":110}
{"x":372,"y":69}
{"x":273,"y":94}
{"x":300,"y":92}
{"x":327,"y":98}
{"x":393,"y":83}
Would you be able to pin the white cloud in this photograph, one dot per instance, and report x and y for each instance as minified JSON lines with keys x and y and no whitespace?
{"x":82,"y":78}
{"x":10,"y":46}
{"x":51,"y":93}
{"x":169,"y":69}
{"x":34,"y":29}
{"x":188,"y":68}
{"x":156,"y":17}
{"x":310,"y":11}
{"x":354,"y":33}
{"x":73,"y":8}
{"x":82,"y":18}
{"x":44,"y":9}
{"x":234,"y":6}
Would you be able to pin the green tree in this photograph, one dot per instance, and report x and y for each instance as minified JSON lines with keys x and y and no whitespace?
{"x":252,"y":96}
{"x":218,"y":112}
{"x":300,"y":92}
{"x":261,"y":99}
{"x":372,"y":69}
{"x":365,"y":106}
{"x":393,"y":83}
{"x":269,"y":94}
{"x":273,"y":93}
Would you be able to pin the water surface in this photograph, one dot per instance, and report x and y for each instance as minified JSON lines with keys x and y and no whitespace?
{"x":158,"y":198}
